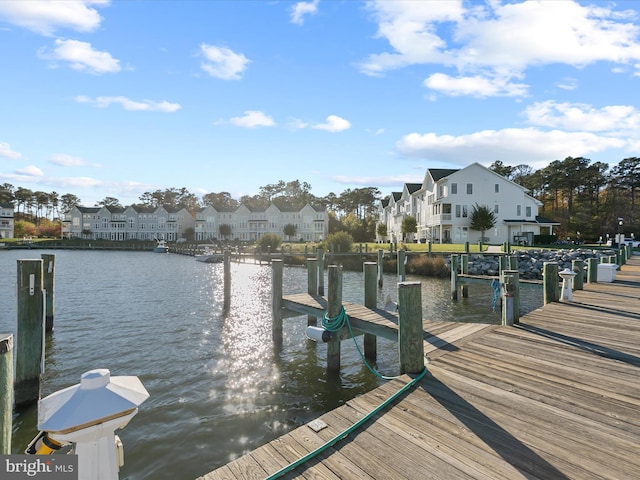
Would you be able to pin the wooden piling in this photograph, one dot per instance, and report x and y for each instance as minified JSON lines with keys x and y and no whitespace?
{"x":592,"y":270}
{"x":454,"y":277}
{"x":49,"y":263}
{"x":551,"y":283}
{"x":402,"y":256}
{"x":6,"y":392}
{"x":320,"y":257}
{"x":578,"y":281}
{"x":370,"y":301}
{"x":30,"y":332}
{"x":510,"y":297}
{"x":276,"y":303}
{"x":380,"y":265}
{"x":464,"y":268}
{"x":312,"y":285}
{"x":227,"y":279}
{"x":410,"y":331}
{"x":334,"y":307}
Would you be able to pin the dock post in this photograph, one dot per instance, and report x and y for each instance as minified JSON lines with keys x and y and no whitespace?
{"x":227,"y":279}
{"x":380,"y":265}
{"x":334,"y":306}
{"x":464,"y":268}
{"x":6,"y":392}
{"x":511,"y":297}
{"x":454,"y":277}
{"x":320,"y":257}
{"x":402,"y":257}
{"x":592,"y":270}
{"x":578,"y":281}
{"x":49,"y":264}
{"x":410,"y":331}
{"x":551,"y":282}
{"x":30,"y":332}
{"x":512,"y":263}
{"x":312,"y":285}
{"x":370,"y":301}
{"x":429,"y":253}
{"x":276,"y":303}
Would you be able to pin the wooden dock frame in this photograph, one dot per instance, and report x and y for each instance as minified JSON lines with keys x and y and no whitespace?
{"x":366,"y":320}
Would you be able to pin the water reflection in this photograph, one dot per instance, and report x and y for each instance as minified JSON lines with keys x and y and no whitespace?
{"x":218,"y":388}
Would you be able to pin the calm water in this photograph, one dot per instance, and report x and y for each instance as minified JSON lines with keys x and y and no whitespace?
{"x":217,"y":387}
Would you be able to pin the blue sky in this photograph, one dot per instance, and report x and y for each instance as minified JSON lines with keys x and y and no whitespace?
{"x":114,"y":98}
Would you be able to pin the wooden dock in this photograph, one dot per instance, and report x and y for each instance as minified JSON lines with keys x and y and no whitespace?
{"x":555,"y":397}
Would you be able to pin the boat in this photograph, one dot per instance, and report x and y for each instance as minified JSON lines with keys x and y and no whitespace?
{"x":209,"y":257}
{"x":161,"y":247}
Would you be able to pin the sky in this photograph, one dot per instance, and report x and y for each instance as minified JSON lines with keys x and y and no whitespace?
{"x":103,"y":98}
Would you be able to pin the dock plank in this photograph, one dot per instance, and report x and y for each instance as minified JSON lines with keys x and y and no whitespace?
{"x":555,"y":397}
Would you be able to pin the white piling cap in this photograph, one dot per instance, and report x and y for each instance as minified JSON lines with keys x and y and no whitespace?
{"x":98,"y":398}
{"x":567,"y":273}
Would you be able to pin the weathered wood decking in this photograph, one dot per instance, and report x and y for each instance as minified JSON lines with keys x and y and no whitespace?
{"x":556,"y":397}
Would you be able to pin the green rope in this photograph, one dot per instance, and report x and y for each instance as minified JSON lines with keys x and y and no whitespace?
{"x":336,"y":323}
{"x":348,"y":431}
{"x":333,"y":325}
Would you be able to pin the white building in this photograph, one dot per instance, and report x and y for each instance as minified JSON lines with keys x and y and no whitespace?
{"x":6,"y":220}
{"x":310,"y":224}
{"x":136,"y":223}
{"x":131,"y":223}
{"x":443,"y":203}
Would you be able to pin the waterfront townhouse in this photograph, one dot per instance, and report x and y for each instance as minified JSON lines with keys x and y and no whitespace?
{"x":6,"y":220}
{"x":249,"y":224}
{"x":131,"y":223}
{"x":443,"y":204}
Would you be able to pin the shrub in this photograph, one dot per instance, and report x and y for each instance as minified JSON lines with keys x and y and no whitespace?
{"x":269,"y":242}
{"x":427,"y":266}
{"x":341,"y":241}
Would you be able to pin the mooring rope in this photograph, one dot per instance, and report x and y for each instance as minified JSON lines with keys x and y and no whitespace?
{"x":348,"y":431}
{"x":334,"y":325}
{"x":495,"y":284}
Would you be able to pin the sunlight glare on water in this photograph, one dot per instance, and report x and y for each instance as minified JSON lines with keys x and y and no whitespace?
{"x":218,"y":387}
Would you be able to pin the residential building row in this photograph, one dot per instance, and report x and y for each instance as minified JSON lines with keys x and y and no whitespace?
{"x":6,"y":220}
{"x":442,"y":205}
{"x":242,"y":223}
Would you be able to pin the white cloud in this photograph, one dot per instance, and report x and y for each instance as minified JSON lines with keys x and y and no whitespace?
{"x":531,"y":146}
{"x":45,"y":17}
{"x":64,"y":160}
{"x":222,"y":62}
{"x":30,"y":171}
{"x":477,"y":86}
{"x":498,"y":40}
{"x":334,"y":124}
{"x":131,"y":105}
{"x":7,"y":152}
{"x":253,"y":119}
{"x":301,"y":9}
{"x":582,"y":117}
{"x":381,"y":181}
{"x":81,"y":57}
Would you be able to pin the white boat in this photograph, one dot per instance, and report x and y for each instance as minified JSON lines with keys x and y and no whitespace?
{"x":209,"y":257}
{"x":161,"y":247}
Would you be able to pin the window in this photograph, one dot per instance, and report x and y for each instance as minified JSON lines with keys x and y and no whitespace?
{"x":528,"y":211}
{"x":518,"y":210}
{"x":454,"y":189}
{"x":461,"y":211}
{"x":497,"y":188}
{"x":495,"y":209}
{"x":469,"y":188}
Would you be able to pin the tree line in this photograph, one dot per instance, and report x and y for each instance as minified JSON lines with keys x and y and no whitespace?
{"x":588,"y":199}
{"x":353,"y":210}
